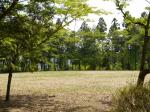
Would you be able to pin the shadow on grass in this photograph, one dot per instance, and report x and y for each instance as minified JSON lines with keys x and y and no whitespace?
{"x":31,"y":103}
{"x":26,"y":103}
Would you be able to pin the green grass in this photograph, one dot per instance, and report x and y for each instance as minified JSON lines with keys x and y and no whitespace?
{"x":78,"y":88}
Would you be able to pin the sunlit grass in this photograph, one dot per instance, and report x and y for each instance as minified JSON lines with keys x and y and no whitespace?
{"x":72,"y":89}
{"x":68,"y":81}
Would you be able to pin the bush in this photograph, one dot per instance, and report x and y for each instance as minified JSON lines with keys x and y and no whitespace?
{"x":132,"y":99}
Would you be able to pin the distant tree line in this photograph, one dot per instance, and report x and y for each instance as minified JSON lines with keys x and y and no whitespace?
{"x":96,"y":49}
{"x":118,"y":48}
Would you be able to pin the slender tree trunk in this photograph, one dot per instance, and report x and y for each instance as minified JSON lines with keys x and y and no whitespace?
{"x":135,"y":63}
{"x":79,"y":65}
{"x":54,"y":65}
{"x":8,"y":85}
{"x":72,"y":66}
{"x":84,"y":66}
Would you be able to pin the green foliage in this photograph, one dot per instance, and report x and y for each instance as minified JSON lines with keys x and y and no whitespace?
{"x":38,"y":35}
{"x":27,"y":31}
{"x":116,"y":66}
{"x":101,"y":26}
{"x":132,"y":99}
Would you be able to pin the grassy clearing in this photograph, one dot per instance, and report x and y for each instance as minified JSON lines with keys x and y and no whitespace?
{"x":85,"y":91}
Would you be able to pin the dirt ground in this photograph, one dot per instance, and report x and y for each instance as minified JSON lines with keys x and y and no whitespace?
{"x":63,"y":91}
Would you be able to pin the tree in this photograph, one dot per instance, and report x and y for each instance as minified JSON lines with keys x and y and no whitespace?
{"x":115,"y":43}
{"x":144,"y":23}
{"x":101,"y":26}
{"x":100,"y":35}
{"x":34,"y":27}
{"x":90,"y":44}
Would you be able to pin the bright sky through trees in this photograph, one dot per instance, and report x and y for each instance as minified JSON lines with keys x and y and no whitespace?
{"x":136,"y":7}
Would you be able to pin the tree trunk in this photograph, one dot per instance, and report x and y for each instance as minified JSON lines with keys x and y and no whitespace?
{"x":8,"y":85}
{"x":84,"y":66}
{"x":72,"y":66}
{"x":79,"y":65}
{"x":141,"y":78}
{"x":143,"y":71}
{"x":55,"y":65}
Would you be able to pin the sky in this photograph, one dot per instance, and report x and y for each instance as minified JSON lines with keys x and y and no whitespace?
{"x":136,"y":7}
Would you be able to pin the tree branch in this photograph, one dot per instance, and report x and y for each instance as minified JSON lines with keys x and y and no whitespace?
{"x":147,"y":1}
{"x":58,"y":28}
{"x":148,"y":21}
{"x":61,"y":26}
{"x":125,"y":15}
{"x":7,"y":11}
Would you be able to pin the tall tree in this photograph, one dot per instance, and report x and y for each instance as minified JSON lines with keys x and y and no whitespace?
{"x":100,"y":35}
{"x":144,"y":23}
{"x":101,"y":26}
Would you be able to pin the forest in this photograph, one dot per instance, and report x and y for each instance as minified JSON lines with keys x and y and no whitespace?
{"x":97,"y":49}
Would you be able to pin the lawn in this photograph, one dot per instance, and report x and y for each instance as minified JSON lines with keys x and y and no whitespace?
{"x":63,"y":91}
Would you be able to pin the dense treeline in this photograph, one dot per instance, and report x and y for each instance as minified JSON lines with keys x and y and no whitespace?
{"x":91,"y":49}
{"x":96,"y":49}
{"x":117,"y":48}
{"x":99,"y":48}
{"x":36,"y":42}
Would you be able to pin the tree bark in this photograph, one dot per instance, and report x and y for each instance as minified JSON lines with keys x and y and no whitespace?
{"x":8,"y":85}
{"x":141,"y":78}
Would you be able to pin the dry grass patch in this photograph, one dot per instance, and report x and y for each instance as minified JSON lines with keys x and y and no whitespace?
{"x":65,"y":91}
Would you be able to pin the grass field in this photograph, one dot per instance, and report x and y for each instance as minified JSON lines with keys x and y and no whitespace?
{"x":64,"y":91}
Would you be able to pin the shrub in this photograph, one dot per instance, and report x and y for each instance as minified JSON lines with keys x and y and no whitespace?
{"x":132,"y":99}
